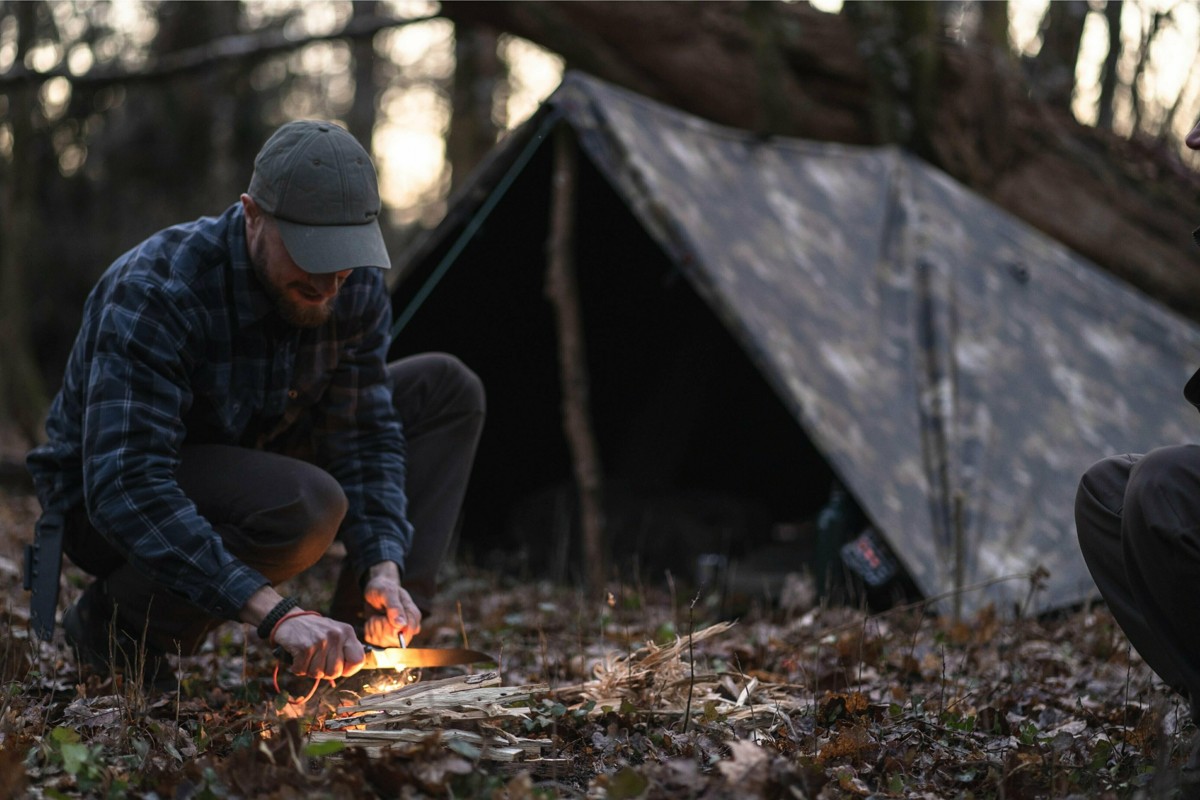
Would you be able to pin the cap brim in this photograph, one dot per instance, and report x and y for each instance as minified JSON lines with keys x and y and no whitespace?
{"x":332,"y":248}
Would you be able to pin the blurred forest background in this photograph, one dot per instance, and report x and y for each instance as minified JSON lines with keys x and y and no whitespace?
{"x":119,"y":118}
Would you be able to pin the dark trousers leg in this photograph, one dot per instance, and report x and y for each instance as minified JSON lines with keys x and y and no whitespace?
{"x":442,"y":406}
{"x":277,"y":514}
{"x":1138,"y":520}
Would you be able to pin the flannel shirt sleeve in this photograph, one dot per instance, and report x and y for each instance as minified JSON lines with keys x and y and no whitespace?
{"x":360,"y":441}
{"x":137,"y":392}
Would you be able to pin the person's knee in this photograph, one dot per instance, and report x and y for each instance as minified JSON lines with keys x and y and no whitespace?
{"x":1100,"y":507}
{"x":1154,"y":472}
{"x":1160,"y":499}
{"x":1102,"y":488}
{"x":459,"y":384}
{"x":322,"y":507}
{"x":307,"y":523}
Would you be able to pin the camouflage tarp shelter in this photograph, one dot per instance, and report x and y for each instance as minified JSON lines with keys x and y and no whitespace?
{"x":765,"y":314}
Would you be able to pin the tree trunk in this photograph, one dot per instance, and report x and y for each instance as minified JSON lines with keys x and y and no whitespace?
{"x":899,"y":41}
{"x":1125,"y":208}
{"x":993,"y":27}
{"x":1166,"y":131}
{"x":184,"y":125}
{"x":22,"y":394}
{"x":1054,"y":67}
{"x":1108,"y":74}
{"x":361,"y":119}
{"x":1137,"y":105}
{"x":478,"y":72}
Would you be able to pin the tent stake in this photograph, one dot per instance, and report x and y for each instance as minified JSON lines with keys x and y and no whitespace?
{"x":562,"y":289}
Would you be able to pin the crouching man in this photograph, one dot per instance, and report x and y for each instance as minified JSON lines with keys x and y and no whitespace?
{"x":228,"y":411}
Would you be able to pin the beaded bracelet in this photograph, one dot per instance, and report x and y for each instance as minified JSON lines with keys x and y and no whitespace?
{"x":274,"y":615}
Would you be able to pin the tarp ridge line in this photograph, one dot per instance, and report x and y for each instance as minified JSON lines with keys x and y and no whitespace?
{"x":477,"y":219}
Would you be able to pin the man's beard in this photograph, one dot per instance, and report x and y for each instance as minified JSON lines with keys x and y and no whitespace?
{"x":300,"y":316}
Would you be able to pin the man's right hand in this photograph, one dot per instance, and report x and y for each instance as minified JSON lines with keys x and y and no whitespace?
{"x":320,"y":647}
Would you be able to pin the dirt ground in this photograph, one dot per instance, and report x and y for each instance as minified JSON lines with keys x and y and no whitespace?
{"x":636,"y":694}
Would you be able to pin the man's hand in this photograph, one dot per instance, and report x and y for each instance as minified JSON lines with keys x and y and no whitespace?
{"x":392,"y":617}
{"x":320,"y":647}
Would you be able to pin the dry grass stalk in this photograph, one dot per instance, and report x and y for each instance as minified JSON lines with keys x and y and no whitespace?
{"x":487,"y":746}
{"x":424,"y":692}
{"x":435,"y":704}
{"x":653,"y":676}
{"x":418,"y":713}
{"x":656,"y":678}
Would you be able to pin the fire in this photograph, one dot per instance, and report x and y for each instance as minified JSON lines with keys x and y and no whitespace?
{"x":391,"y":680}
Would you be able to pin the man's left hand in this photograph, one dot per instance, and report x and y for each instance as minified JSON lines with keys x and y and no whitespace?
{"x":393,"y":619}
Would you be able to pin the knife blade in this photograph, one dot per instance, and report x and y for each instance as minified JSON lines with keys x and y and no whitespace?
{"x":415,"y":657}
{"x":408,"y":657}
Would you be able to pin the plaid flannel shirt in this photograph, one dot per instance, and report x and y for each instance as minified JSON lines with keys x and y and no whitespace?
{"x":180,"y":345}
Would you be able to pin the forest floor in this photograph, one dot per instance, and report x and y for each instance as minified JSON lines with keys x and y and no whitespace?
{"x":645,"y":692}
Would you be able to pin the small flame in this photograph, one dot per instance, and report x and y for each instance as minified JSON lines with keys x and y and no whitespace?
{"x":391,"y":681}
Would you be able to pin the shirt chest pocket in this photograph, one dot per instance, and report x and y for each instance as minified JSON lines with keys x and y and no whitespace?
{"x":308,"y":389}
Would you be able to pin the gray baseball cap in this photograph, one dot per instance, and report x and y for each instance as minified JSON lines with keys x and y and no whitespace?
{"x":318,"y":183}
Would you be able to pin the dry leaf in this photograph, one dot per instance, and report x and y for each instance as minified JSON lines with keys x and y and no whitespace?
{"x":747,"y":769}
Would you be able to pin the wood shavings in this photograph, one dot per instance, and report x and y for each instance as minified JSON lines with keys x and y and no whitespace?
{"x":653,"y":678}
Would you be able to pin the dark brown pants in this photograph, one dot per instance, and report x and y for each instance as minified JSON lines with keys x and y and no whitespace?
{"x":1138,"y":520}
{"x":280,"y":514}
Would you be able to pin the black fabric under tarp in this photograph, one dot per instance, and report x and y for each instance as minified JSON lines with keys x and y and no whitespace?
{"x":765,"y":316}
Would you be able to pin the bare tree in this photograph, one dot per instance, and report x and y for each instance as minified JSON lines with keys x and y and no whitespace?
{"x":1136,"y":102}
{"x":479,"y":73}
{"x":361,"y":119}
{"x":1108,"y":74}
{"x":993,"y":29}
{"x":1054,"y":66}
{"x":22,"y":395}
{"x":143,"y":142}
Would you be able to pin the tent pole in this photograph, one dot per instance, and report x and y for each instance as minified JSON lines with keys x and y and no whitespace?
{"x":562,"y":290}
{"x":960,"y":556}
{"x":476,"y":222}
